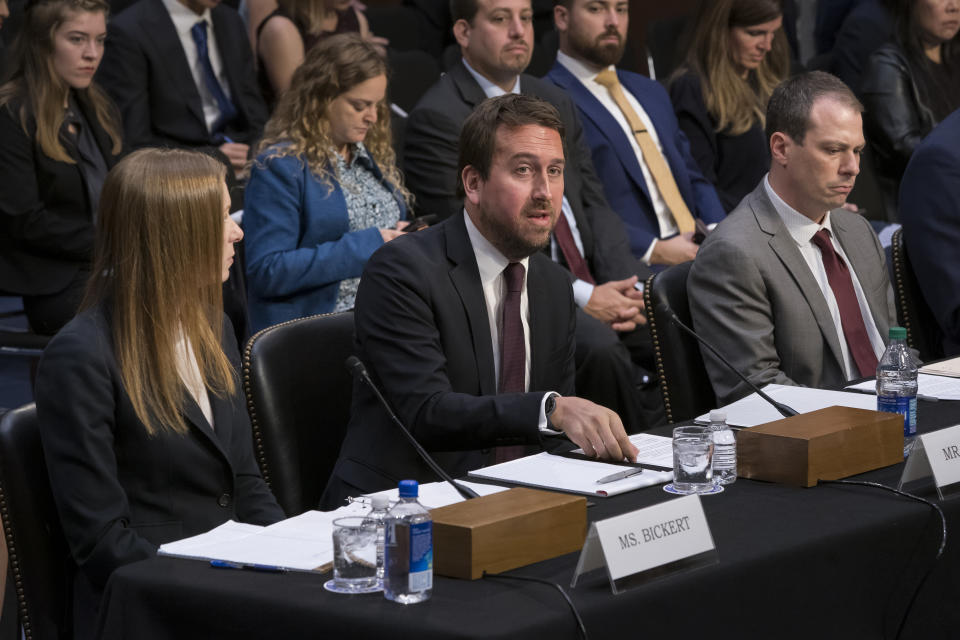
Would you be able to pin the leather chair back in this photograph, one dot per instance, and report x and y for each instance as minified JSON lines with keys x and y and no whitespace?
{"x":913,"y":314}
{"x":684,"y":383}
{"x":298,"y":395}
{"x":40,"y":562}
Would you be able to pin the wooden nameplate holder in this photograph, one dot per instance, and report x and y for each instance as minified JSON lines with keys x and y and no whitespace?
{"x":506,"y":530}
{"x":828,"y":444}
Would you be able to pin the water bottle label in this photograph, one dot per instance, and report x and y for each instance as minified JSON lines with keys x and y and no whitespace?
{"x":421,"y":556}
{"x":905,"y":406}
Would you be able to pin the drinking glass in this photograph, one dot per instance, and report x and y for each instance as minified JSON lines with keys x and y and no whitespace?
{"x":354,"y":556}
{"x":692,"y":460}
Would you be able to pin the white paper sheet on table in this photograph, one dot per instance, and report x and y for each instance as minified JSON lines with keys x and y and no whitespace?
{"x":753,"y":410}
{"x":548,"y":471}
{"x":949,"y":367}
{"x":931,"y":386}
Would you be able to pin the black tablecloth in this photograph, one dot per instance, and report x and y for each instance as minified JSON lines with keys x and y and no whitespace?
{"x":832,"y":561}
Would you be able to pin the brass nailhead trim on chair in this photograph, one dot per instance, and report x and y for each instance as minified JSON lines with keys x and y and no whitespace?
{"x":658,"y":353}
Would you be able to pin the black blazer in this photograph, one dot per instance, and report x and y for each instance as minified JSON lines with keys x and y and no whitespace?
{"x":146,"y":71}
{"x":46,"y":220}
{"x":119,"y":492}
{"x":423,"y":332}
{"x":430,"y":164}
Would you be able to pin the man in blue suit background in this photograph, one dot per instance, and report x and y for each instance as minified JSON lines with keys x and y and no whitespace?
{"x":640,"y":154}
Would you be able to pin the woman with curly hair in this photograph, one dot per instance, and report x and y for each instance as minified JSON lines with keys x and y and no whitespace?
{"x":324,"y":192}
{"x":739,"y":54}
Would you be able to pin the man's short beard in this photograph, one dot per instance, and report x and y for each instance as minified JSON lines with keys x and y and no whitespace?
{"x":602,"y":55}
{"x":506,"y":240}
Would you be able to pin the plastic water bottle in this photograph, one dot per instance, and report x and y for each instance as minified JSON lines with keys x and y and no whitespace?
{"x":409,"y":549}
{"x":724,"y":449}
{"x":897,"y":384}
{"x":378,"y":515}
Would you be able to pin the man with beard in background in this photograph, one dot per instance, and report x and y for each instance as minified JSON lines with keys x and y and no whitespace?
{"x":640,"y":154}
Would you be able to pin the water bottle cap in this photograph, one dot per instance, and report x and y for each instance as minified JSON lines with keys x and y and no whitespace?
{"x":379,"y":502}
{"x":718,"y":415}
{"x":898,"y":333}
{"x":409,"y":488}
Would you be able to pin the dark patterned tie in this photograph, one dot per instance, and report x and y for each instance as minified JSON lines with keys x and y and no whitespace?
{"x":227,"y":111}
{"x":854,"y":329}
{"x":564,"y":237}
{"x":513,"y":347}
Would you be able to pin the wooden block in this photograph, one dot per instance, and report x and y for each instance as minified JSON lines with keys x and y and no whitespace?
{"x":506,"y":530}
{"x":828,"y":444}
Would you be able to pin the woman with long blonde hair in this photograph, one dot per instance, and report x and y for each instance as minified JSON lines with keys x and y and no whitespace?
{"x":738,"y":55}
{"x":59,"y":135}
{"x":142,"y":418}
{"x":324,"y":192}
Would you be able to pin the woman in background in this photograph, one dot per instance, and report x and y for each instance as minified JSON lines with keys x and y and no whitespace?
{"x":909,"y":86}
{"x":59,"y":135}
{"x":142,"y":418}
{"x":739,"y":54}
{"x":324,"y":192}
{"x":286,"y":34}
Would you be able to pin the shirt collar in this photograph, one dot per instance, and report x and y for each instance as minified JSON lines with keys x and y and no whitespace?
{"x":582,"y":72}
{"x":801,"y":228}
{"x":490,"y":262}
{"x":490,"y":89}
{"x":360,"y":156}
{"x":184,"y":18}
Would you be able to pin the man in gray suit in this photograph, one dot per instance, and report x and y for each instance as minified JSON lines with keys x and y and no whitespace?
{"x":791,"y":287}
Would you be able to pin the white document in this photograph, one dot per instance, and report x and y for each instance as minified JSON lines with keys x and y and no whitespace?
{"x":439,"y":494}
{"x":949,"y":367}
{"x":753,"y":410}
{"x":928,"y":386}
{"x":548,"y":471}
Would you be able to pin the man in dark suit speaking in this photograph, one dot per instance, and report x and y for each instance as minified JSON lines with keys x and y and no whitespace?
{"x":467,"y":327}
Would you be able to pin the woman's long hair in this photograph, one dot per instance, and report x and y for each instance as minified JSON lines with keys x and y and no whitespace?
{"x":299,"y":126}
{"x":157,"y":267}
{"x":309,"y":13}
{"x":35,"y":83}
{"x":734,"y":102}
{"x":908,"y":35}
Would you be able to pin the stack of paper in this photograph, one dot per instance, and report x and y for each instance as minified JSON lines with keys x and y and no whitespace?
{"x":580,"y":476}
{"x":928,"y":387}
{"x":753,"y":410}
{"x":949,"y":368}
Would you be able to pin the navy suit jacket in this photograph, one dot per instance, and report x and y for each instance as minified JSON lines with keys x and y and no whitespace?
{"x":422,"y":330}
{"x":617,"y":164}
{"x":146,"y":72}
{"x":930,"y":214}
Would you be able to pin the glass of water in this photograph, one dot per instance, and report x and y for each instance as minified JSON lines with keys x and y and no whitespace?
{"x":692,"y":460}
{"x":354,"y":556}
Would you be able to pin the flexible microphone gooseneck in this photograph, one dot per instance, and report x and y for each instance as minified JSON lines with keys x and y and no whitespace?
{"x":358,"y":369}
{"x":784,"y":410}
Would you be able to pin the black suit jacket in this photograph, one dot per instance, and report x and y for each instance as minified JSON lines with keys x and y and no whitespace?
{"x":430,"y":163}
{"x":120,"y":492}
{"x":423,"y":332}
{"x":46,"y":219}
{"x":146,"y":71}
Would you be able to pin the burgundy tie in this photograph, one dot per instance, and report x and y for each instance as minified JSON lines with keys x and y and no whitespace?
{"x":854,"y":329}
{"x":513,"y":347}
{"x":564,"y":237}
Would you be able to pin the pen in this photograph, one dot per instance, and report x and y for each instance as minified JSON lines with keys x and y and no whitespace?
{"x":619,"y":475}
{"x":928,"y":398}
{"x":226,"y":564}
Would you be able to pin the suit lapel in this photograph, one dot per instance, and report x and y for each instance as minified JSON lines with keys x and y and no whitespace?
{"x":161,"y":32}
{"x":539,"y":338}
{"x":785,"y":247}
{"x":466,"y":280}
{"x":606,"y":124}
{"x":104,"y":143}
{"x":467,"y":86}
{"x":225,"y":43}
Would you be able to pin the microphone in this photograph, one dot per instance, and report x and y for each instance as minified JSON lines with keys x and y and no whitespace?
{"x":784,"y":410}
{"x":358,"y":369}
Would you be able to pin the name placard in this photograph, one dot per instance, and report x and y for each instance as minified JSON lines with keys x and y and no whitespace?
{"x":936,"y":454}
{"x":648,"y":543}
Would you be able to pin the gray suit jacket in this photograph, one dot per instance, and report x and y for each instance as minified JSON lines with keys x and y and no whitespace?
{"x":753,"y":297}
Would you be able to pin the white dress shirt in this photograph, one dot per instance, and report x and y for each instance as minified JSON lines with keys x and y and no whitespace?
{"x":189,"y":372}
{"x":183,"y":20}
{"x":802,"y":229}
{"x":582,"y":290}
{"x":587,"y":76}
{"x":491,"y":263}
